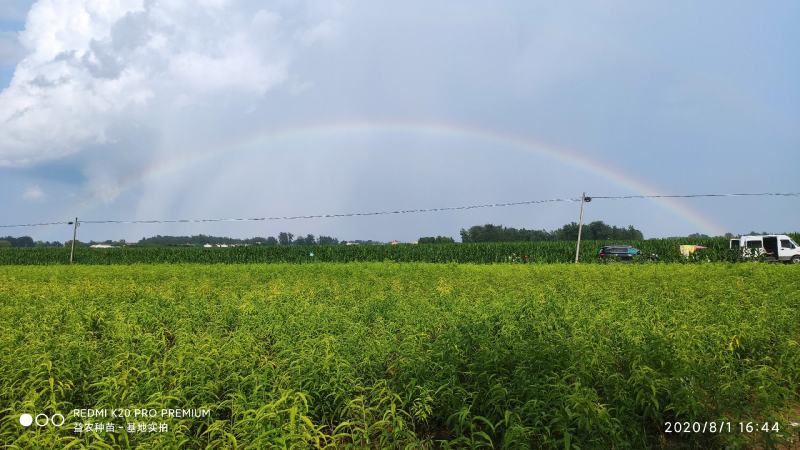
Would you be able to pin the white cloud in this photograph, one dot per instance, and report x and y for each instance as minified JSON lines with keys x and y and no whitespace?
{"x":94,"y":67}
{"x":33,"y":193}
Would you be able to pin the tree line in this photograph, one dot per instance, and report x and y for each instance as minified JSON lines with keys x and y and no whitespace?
{"x":283,"y":238}
{"x":26,"y":241}
{"x":596,"y":230}
{"x":478,"y":233}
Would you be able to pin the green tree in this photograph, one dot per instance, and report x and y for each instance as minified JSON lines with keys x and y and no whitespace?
{"x":285,"y":238}
{"x":308,"y":240}
{"x":569,"y":232}
{"x":22,"y":241}
{"x":436,"y":240}
{"x":327,"y":240}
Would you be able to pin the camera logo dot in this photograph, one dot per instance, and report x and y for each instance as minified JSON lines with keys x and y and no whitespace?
{"x":42,"y":420}
{"x":25,"y":420}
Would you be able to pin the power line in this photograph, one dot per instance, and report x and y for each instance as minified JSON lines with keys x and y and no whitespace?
{"x":406,"y":211}
{"x":326,"y":216}
{"x":760,"y":194}
{"x":35,"y":224}
{"x":308,"y":216}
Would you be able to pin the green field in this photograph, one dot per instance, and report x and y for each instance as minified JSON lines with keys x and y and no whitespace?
{"x":480,"y":253}
{"x":384,"y":355}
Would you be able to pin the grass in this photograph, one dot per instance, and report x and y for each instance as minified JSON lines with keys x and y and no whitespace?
{"x":383,"y":355}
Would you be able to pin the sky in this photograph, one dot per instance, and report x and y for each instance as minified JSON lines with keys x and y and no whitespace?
{"x":192,"y":109}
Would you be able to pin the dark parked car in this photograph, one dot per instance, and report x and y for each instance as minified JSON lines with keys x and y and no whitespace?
{"x":623,"y":253}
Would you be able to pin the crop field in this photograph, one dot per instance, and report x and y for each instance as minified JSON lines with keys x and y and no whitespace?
{"x":500,"y":252}
{"x":383,"y":355}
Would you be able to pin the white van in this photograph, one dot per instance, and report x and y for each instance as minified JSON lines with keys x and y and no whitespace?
{"x":773,"y":247}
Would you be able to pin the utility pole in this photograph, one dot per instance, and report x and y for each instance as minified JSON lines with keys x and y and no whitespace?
{"x":74,"y":235}
{"x":584,"y":199}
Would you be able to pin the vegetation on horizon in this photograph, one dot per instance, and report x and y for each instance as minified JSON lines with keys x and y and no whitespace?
{"x":478,"y":233}
{"x":596,"y":230}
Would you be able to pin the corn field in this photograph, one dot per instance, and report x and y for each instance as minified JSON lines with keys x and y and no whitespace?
{"x":502,"y":252}
{"x":375,"y":355}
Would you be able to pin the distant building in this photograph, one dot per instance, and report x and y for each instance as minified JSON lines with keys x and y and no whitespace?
{"x":101,"y":246}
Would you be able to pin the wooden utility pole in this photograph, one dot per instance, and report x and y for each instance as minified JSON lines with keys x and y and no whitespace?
{"x":584,"y":199}
{"x":74,"y":235}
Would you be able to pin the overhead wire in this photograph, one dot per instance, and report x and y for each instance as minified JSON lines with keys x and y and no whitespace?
{"x":407,"y":211}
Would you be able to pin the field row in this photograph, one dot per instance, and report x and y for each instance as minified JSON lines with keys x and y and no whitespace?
{"x":481,"y":253}
{"x":373,"y":355}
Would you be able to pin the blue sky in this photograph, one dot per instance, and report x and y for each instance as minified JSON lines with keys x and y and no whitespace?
{"x":226,"y":108}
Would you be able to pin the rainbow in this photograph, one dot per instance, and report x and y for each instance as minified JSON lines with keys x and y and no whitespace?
{"x":562,"y":155}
